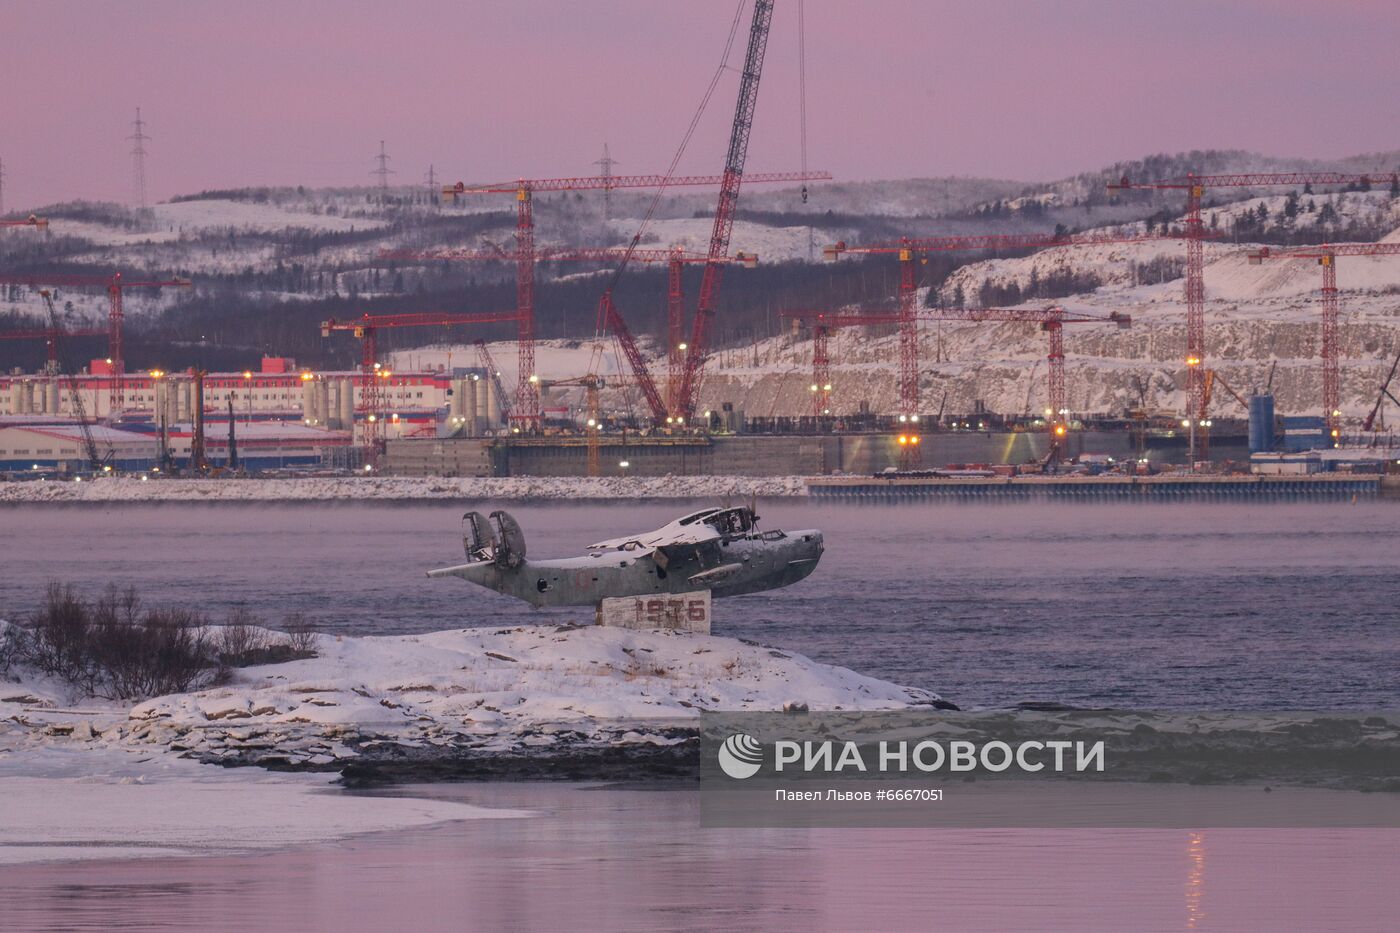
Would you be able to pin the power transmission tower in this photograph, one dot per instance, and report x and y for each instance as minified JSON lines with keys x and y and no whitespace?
{"x":383,"y":171}
{"x":434,"y":192}
{"x":605,"y":172}
{"x":2,"y":186}
{"x":138,"y":160}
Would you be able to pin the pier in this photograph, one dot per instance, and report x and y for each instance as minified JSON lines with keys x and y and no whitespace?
{"x":1243,"y":487}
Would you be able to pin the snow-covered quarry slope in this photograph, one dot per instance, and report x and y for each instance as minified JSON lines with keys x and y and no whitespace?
{"x":1256,"y":316}
{"x":392,"y":488}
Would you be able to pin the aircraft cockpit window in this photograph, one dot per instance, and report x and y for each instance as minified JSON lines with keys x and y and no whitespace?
{"x":732,"y":521}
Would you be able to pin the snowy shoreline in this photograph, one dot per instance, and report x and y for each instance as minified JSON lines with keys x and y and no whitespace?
{"x":399,"y":489}
{"x":76,"y":772}
{"x":519,"y":693}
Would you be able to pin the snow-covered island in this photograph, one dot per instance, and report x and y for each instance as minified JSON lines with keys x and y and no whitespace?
{"x":398,"y":488}
{"x":468,"y":702}
{"x":85,"y":777}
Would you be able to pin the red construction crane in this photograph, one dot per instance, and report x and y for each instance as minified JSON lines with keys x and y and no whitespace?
{"x":527,"y":404}
{"x":1051,"y":320}
{"x":1325,"y":255}
{"x":115,"y":285}
{"x":822,"y":323}
{"x":611,"y":320}
{"x":30,"y":221}
{"x":608,"y":316}
{"x":909,"y":248}
{"x":50,"y":336}
{"x":373,"y":375}
{"x":1195,"y":185}
{"x":726,"y":207}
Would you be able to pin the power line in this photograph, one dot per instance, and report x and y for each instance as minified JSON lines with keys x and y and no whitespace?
{"x":138,"y":160}
{"x":605,"y":170}
{"x":383,"y":171}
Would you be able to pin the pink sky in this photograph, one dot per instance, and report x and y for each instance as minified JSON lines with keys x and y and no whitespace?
{"x":257,"y":92}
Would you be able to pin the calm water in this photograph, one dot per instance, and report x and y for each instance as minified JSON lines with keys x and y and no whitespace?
{"x":623,"y":860}
{"x":1174,"y":605}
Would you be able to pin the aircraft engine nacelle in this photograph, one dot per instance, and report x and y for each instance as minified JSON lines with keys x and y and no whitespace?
{"x":478,"y":538}
{"x":510,"y":549}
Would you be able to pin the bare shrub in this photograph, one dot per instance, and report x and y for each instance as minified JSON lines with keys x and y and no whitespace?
{"x":142,"y":654}
{"x":301,"y":635}
{"x":57,"y":637}
{"x":9,"y":648}
{"x":242,"y":640}
{"x":114,"y":649}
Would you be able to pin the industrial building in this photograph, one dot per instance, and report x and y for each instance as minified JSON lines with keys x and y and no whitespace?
{"x":414,"y":404}
{"x":59,"y":447}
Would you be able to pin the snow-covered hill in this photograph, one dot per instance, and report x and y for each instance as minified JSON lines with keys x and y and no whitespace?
{"x":1256,"y":315}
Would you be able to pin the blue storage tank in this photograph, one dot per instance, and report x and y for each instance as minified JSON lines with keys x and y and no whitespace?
{"x":1261,"y":423}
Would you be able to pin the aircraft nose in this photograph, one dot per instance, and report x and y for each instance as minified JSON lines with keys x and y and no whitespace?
{"x":812,"y":541}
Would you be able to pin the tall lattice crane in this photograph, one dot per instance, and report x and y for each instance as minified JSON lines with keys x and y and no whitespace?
{"x":373,"y":376}
{"x":908,"y":249}
{"x":526,"y":411}
{"x":1325,"y":255}
{"x":728,"y":204}
{"x":1381,"y":396}
{"x":1051,"y":321}
{"x":593,"y":428}
{"x":96,"y":462}
{"x":115,"y":285}
{"x":662,"y":409}
{"x":1195,"y":281}
{"x":493,"y":373}
{"x":50,"y":335}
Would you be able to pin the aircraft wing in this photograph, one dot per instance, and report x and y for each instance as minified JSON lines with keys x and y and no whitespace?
{"x":450,"y":571}
{"x":665,"y":536}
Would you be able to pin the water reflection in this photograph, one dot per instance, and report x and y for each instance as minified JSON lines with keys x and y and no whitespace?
{"x":637,"y":859}
{"x":1195,"y":879}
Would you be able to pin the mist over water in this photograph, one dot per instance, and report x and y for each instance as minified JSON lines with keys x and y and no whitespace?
{"x":1172,"y":605}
